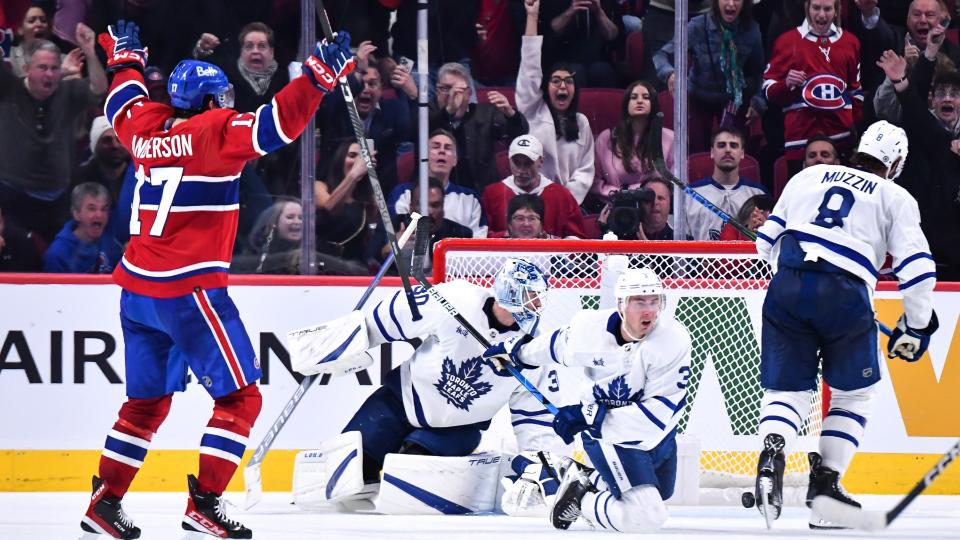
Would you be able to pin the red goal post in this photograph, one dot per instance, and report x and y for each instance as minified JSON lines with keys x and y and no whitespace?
{"x":715,"y":289}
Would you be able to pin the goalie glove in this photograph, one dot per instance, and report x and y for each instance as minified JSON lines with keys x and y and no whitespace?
{"x":910,"y":343}
{"x":121,"y":42}
{"x":329,"y":62}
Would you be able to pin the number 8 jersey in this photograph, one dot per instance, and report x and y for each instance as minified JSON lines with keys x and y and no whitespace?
{"x":852,"y":219}
{"x":186,"y":203}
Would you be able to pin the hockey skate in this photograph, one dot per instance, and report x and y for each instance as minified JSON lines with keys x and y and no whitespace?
{"x":769,"y":488}
{"x":566,"y":507}
{"x":205,"y":515}
{"x":105,"y":516}
{"x":825,"y":481}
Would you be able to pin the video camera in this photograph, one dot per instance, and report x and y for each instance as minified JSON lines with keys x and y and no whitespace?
{"x":628,"y":212}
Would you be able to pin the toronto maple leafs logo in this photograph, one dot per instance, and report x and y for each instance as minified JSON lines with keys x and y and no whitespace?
{"x":461,"y":386}
{"x":617,"y":395}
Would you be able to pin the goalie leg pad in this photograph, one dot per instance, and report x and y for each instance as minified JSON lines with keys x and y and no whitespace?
{"x":332,"y":473}
{"x":844,"y":425}
{"x":320,"y":348}
{"x":783,"y":412}
{"x":431,"y":485}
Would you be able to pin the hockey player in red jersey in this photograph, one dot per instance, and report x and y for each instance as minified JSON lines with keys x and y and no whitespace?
{"x":174,"y":307}
{"x":814,"y":74}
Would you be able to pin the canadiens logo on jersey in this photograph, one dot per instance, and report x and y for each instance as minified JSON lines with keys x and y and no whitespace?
{"x":825,"y":91}
{"x":461,"y":386}
{"x":617,"y":394}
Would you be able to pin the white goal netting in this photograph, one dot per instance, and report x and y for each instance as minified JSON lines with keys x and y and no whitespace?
{"x":715,"y":289}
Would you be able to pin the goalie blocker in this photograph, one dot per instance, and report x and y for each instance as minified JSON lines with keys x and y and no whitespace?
{"x":337,"y":347}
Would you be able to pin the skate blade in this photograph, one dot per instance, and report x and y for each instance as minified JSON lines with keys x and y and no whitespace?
{"x":766,"y":487}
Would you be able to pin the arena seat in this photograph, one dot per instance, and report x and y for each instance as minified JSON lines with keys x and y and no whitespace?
{"x":508,"y":91}
{"x":634,"y":55}
{"x":780,"y":176}
{"x":406,"y":166}
{"x":665,"y":100}
{"x":601,"y":106}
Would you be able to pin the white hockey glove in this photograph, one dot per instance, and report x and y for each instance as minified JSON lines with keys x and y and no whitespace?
{"x":337,"y":347}
{"x":533,"y":492}
{"x":910,"y":343}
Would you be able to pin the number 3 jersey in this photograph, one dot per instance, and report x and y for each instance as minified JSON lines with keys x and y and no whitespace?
{"x":186,"y":203}
{"x":642,"y":384}
{"x":852,"y":219}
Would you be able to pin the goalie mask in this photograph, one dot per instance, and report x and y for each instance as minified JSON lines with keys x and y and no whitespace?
{"x":520,"y":287}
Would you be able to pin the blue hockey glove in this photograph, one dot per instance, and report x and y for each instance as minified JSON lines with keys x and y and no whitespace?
{"x":910,"y":343}
{"x":329,"y":62}
{"x":121,"y":42}
{"x":507,"y":351}
{"x":573,"y":419}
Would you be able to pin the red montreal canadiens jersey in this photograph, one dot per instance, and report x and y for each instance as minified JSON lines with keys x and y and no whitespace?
{"x":186,"y":202}
{"x":830,"y":100}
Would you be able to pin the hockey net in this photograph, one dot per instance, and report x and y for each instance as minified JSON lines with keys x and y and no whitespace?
{"x":715,"y":289}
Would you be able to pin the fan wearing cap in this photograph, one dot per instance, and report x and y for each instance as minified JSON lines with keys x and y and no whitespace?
{"x":108,"y":161}
{"x":562,"y":217}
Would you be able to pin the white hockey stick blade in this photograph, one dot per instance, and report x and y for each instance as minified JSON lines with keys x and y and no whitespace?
{"x":253,"y":484}
{"x":848,"y":515}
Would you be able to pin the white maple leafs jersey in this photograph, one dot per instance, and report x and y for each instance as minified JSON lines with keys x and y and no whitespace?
{"x":447,"y":382}
{"x":852,"y":219}
{"x":643,"y":384}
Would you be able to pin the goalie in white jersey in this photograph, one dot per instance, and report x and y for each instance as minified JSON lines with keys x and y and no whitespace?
{"x":827,"y":237}
{"x":636,"y":360}
{"x":438,"y":402}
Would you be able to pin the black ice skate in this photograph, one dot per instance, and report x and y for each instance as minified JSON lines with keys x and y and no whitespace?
{"x":769,"y":488}
{"x":105,"y":516}
{"x":205,"y":515}
{"x":825,"y":481}
{"x":566,"y":507}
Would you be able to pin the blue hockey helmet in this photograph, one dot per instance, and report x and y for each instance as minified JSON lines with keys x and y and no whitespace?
{"x":520,"y":287}
{"x":192,"y":80}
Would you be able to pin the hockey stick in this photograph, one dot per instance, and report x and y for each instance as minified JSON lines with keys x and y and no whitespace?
{"x":851,"y":516}
{"x":378,"y":197}
{"x":420,"y":248}
{"x":252,"y":481}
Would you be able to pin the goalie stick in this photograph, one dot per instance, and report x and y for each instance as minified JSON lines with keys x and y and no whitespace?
{"x":252,"y":481}
{"x":660,"y":165}
{"x":378,"y":197}
{"x":872,"y":520}
{"x":421,"y":245}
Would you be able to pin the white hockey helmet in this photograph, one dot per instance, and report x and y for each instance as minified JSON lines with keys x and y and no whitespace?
{"x":887,"y":143}
{"x":520,"y":287}
{"x":637,"y":282}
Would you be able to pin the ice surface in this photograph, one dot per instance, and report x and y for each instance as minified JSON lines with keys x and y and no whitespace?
{"x":56,"y":516}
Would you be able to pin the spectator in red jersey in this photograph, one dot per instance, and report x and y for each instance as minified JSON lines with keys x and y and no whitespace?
{"x":477,"y":126}
{"x":345,"y":208}
{"x":550,"y":106}
{"x":583,"y":34}
{"x":820,"y":150}
{"x":624,"y":154}
{"x":38,"y":113}
{"x":81,"y":247}
{"x":17,"y":251}
{"x":726,"y":69}
{"x":814,"y":74}
{"x":495,"y":60}
{"x":752,"y":214}
{"x":562,"y":215}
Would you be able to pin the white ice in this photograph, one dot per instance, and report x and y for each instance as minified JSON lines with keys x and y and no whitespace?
{"x":49,"y":516}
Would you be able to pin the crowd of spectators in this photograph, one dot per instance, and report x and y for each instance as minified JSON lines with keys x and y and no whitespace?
{"x":538,"y":111}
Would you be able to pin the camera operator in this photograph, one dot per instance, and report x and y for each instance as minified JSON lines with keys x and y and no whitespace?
{"x":638,"y":214}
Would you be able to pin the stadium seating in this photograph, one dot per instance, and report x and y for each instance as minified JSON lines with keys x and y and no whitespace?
{"x":634,"y":58}
{"x":780,"y":176}
{"x":508,"y":91}
{"x":601,"y":106}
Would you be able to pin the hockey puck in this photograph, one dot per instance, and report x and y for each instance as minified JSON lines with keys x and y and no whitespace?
{"x":747,"y":499}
